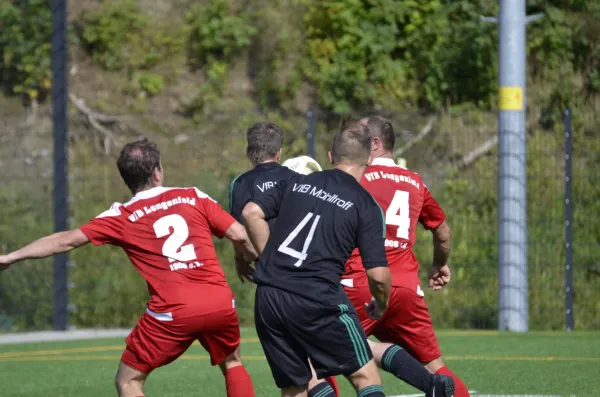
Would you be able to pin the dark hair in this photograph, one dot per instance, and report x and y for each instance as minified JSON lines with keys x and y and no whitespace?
{"x":352,"y":143}
{"x":137,"y":163}
{"x":381,"y":128}
{"x":264,"y":141}
{"x":348,"y":121}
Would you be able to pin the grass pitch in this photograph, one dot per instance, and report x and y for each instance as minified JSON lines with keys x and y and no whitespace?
{"x":490,"y":363}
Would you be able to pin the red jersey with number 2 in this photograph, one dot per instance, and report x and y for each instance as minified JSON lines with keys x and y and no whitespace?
{"x":404,"y":200}
{"x":167,"y":234}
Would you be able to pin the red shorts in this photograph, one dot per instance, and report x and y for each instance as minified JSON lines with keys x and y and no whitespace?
{"x":154,"y":343}
{"x":405,"y":323}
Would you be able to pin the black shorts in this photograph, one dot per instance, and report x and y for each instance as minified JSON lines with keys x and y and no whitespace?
{"x":292,"y":329}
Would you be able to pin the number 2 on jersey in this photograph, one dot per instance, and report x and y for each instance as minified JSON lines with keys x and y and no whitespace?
{"x":172,"y":248}
{"x":398,"y":213}
{"x":285,"y":246}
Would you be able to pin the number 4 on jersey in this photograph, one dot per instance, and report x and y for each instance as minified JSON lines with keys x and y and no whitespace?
{"x":285,"y":246}
{"x":398,"y":213}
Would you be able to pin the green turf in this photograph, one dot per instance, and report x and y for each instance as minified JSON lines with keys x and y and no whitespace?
{"x":490,"y":363}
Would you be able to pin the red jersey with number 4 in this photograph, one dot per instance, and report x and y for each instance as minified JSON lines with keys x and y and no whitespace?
{"x":167,"y":234}
{"x":404,"y":200}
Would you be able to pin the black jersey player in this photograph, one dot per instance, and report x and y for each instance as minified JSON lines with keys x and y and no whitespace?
{"x":265,"y":143}
{"x":264,"y":147}
{"x":301,"y":310}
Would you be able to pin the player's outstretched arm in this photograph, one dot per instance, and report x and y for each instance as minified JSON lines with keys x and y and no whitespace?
{"x":53,"y":244}
{"x":439,"y":274}
{"x":256,"y":226}
{"x":237,"y":235}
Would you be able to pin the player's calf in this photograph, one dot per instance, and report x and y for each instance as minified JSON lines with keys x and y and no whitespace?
{"x":295,"y":391}
{"x":129,"y":382}
{"x":367,"y":381}
{"x":398,"y":362}
{"x":237,"y":380}
{"x":320,"y":387}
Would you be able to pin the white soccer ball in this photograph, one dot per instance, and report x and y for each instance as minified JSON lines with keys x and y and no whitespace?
{"x":302,"y":164}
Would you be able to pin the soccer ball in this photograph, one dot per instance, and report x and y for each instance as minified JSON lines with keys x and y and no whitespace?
{"x":302,"y":164}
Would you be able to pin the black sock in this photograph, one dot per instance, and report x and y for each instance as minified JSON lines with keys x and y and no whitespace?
{"x":321,"y":390}
{"x":405,"y":367}
{"x":371,"y":391}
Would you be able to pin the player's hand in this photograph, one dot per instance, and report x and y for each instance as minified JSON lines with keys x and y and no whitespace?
{"x":5,"y":262}
{"x":438,"y":277}
{"x":245,"y":271}
{"x":374,"y":311}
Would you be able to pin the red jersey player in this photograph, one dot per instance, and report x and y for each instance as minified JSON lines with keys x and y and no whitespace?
{"x":405,"y":200}
{"x":167,"y":234}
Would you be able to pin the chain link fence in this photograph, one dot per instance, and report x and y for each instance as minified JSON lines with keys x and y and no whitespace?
{"x":455,"y":153}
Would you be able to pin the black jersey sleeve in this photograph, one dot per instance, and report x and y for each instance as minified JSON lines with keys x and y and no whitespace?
{"x":371,"y":236}
{"x":270,"y":201}
{"x":238,"y":197}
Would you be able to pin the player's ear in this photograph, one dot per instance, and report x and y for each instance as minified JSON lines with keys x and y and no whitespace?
{"x":157,"y":176}
{"x":375,"y":143}
{"x":330,"y":158}
{"x":278,"y":155}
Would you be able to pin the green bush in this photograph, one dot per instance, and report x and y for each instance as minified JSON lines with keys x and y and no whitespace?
{"x":119,"y":35}
{"x":149,"y":83}
{"x":25,"y":47}
{"x":218,"y":32}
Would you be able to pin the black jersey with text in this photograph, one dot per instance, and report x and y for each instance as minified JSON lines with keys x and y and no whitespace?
{"x":321,"y":218}
{"x":255,"y":182}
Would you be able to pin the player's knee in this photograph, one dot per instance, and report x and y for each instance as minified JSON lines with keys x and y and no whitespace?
{"x":295,"y":391}
{"x":378,"y":349}
{"x":231,"y":361}
{"x":129,"y":381}
{"x":127,"y":386}
{"x":368,"y":375}
{"x":434,"y":365}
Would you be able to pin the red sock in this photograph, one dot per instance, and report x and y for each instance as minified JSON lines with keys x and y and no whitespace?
{"x":238,"y":382}
{"x":333,"y":383}
{"x":460,"y":390}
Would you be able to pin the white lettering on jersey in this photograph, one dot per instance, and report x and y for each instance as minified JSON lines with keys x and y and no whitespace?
{"x":375,"y":175}
{"x":266,"y":186}
{"x":165,"y":205}
{"x":371,"y":176}
{"x":323,"y":195}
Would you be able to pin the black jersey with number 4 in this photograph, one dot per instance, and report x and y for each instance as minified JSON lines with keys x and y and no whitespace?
{"x":321,"y":218}
{"x":255,"y":182}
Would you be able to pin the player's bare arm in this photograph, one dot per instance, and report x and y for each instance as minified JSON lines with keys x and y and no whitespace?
{"x":380,"y":285}
{"x":256,"y":226}
{"x":439,"y":274}
{"x":238,"y":236}
{"x":53,"y":244}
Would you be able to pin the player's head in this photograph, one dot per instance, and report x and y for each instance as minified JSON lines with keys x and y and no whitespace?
{"x":382,"y":134}
{"x":139,"y":165}
{"x":351,"y":146}
{"x":265,"y":142}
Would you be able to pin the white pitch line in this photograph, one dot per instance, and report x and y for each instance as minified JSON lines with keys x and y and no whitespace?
{"x":474,"y":393}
